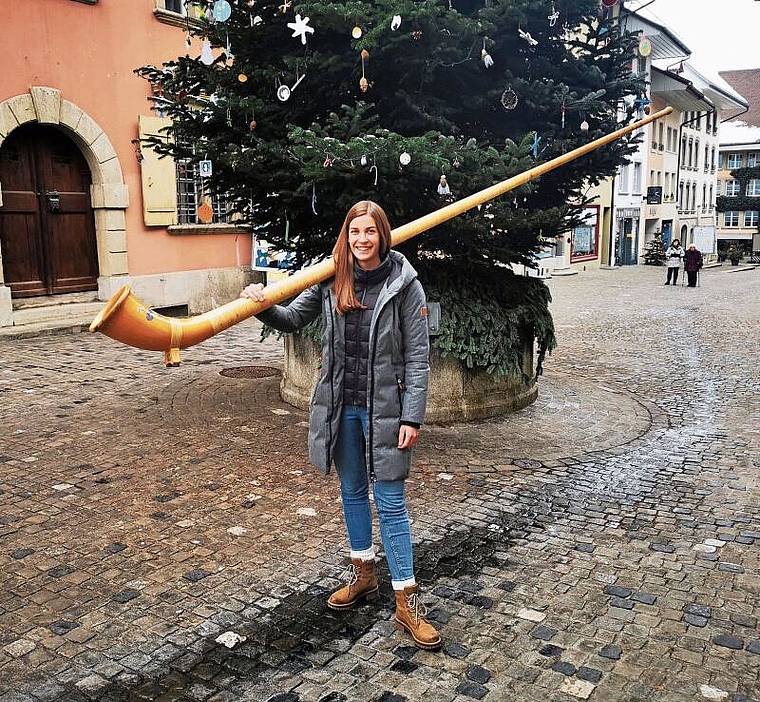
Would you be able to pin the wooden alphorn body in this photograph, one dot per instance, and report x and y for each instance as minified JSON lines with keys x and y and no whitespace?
{"x":126,"y":319}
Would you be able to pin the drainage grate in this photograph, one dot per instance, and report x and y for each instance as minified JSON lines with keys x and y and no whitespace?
{"x":249,"y":372}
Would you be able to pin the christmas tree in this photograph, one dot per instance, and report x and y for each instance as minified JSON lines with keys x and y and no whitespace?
{"x":306,"y":107}
{"x":654,"y":253}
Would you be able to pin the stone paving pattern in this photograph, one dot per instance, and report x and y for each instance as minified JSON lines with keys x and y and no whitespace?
{"x":601,"y":544}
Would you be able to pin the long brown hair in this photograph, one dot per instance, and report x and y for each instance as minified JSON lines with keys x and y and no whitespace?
{"x":344,"y":259}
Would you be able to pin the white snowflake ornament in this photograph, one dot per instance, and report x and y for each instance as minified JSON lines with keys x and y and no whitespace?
{"x":301,"y":28}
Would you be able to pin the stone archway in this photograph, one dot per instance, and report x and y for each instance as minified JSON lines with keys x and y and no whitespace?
{"x":109,"y":195}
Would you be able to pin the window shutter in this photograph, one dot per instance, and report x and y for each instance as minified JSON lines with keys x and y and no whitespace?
{"x":159,"y":177}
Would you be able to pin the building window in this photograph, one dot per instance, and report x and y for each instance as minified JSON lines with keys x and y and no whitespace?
{"x":720,"y":160}
{"x":732,"y":188}
{"x":751,"y":160}
{"x":734,"y":161}
{"x":192,"y":192}
{"x":751,"y":218}
{"x":623,"y":181}
{"x":177,"y":6}
{"x":731,"y":218}
{"x":753,"y":187}
{"x":636,"y":178}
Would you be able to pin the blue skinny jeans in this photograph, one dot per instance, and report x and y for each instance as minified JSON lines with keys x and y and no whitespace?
{"x":390,"y":500}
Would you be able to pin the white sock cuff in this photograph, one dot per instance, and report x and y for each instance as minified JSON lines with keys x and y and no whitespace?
{"x":368,"y":554}
{"x":401,"y":584}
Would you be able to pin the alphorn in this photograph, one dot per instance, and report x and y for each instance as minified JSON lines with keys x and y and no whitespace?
{"x":127,"y":319}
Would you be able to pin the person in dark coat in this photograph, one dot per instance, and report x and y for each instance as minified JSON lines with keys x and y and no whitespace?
{"x":692,"y":262}
{"x":369,"y":403}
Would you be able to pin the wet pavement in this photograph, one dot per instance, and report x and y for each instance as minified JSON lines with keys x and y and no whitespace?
{"x":602,"y":544}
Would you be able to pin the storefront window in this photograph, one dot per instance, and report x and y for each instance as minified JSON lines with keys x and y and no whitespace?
{"x":585,"y":238}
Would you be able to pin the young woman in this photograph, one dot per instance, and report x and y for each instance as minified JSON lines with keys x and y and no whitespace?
{"x":673,"y":257}
{"x":369,"y":402}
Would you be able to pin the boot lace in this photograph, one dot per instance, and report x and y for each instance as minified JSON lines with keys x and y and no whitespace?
{"x":350,"y":575}
{"x":415,"y":606}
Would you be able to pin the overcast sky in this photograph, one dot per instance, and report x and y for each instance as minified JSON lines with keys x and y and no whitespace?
{"x":723,"y":35}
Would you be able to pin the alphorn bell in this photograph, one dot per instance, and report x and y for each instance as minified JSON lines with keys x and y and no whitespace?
{"x":127,"y":319}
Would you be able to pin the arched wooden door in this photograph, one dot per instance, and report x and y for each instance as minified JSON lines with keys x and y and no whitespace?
{"x":47,"y":228}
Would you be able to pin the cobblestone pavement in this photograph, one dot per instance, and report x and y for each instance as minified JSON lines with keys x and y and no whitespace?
{"x":601,"y":544}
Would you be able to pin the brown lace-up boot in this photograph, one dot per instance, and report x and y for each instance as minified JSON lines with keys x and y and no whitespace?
{"x":362,"y":585}
{"x":410,"y":613}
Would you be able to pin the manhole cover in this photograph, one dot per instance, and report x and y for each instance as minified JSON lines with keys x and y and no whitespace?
{"x":249,"y":372}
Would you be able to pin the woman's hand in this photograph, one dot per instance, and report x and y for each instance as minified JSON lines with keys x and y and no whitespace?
{"x":407,"y":436}
{"x":254,"y":291}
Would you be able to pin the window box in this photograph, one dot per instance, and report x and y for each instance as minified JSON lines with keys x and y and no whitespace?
{"x":207,"y":229}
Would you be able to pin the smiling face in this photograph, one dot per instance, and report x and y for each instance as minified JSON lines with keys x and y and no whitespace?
{"x":364,"y":241}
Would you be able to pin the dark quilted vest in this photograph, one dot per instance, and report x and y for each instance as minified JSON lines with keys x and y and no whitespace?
{"x":367,"y":285}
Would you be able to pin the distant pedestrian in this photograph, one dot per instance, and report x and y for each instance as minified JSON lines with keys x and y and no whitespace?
{"x":369,"y":403}
{"x":692,"y":262}
{"x":673,"y":257}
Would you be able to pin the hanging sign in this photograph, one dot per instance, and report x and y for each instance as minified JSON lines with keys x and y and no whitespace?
{"x":205,"y":169}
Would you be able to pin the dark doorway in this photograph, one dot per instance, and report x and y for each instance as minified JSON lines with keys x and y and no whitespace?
{"x":47,"y":228}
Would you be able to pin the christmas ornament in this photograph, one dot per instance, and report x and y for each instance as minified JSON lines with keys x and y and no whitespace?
{"x":205,"y":168}
{"x":222,"y":10}
{"x":609,"y":3}
{"x":285,"y":6}
{"x":395,"y":22}
{"x":207,"y":56}
{"x":443,"y":186}
{"x":456,"y":162}
{"x":373,"y":167}
{"x":562,"y":112}
{"x":242,"y":78}
{"x":487,"y":60}
{"x":526,"y":35}
{"x":553,"y":16}
{"x":534,"y":147}
{"x":205,"y":212}
{"x":584,"y":126}
{"x":405,"y":158}
{"x":283,"y":91}
{"x":256,"y":21}
{"x":641,"y":102}
{"x":301,"y":28}
{"x":363,"y":160}
{"x":645,"y":46}
{"x":252,"y":124}
{"x":356,"y":32}
{"x":417,"y":35}
{"x":509,"y":99}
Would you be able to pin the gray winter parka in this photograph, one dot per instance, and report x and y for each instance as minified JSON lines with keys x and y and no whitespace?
{"x":398,"y":367}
